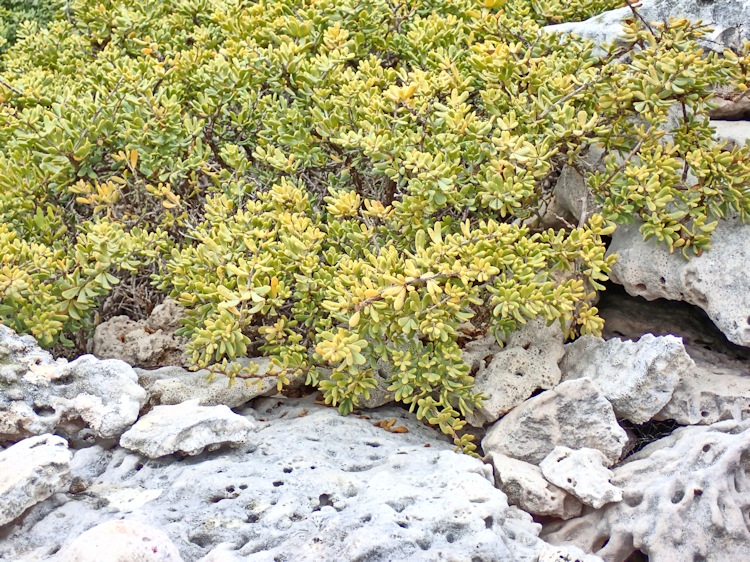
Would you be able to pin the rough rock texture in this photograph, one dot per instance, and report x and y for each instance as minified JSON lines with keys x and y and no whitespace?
{"x":174,"y":385}
{"x":686,"y":497}
{"x":727,"y":18}
{"x":311,"y":486}
{"x":82,"y":400}
{"x":717,"y":281}
{"x":638,"y":378}
{"x":734,"y":132}
{"x":574,"y":414}
{"x":717,"y":387}
{"x":527,"y":363}
{"x":147,"y":343}
{"x":31,"y":471}
{"x":527,"y":488}
{"x":583,"y":473}
{"x":186,"y":428}
{"x":121,"y":541}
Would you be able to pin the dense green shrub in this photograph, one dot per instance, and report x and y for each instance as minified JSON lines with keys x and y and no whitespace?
{"x":25,"y":17}
{"x":337,"y":182}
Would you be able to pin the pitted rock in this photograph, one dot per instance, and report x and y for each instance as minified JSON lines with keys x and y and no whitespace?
{"x":581,"y":472}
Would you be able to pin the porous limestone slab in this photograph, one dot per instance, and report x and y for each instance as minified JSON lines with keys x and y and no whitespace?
{"x":186,"y":428}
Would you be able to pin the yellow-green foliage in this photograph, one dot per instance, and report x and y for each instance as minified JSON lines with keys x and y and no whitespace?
{"x":337,"y":182}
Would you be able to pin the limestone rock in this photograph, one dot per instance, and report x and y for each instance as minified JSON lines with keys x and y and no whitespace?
{"x":82,"y":400}
{"x":186,"y":428}
{"x":574,"y":414}
{"x":717,"y":387}
{"x":311,"y":485}
{"x":638,"y":378}
{"x":146,"y":343}
{"x":583,"y":473}
{"x":527,"y":363}
{"x":728,"y":20}
{"x":736,"y":133}
{"x":31,"y":471}
{"x":122,"y":541}
{"x":174,"y":385}
{"x":685,"y":497}
{"x":527,"y":488}
{"x":718,"y":281}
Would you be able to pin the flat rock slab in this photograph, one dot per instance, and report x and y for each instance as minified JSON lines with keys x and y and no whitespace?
{"x":574,"y":414}
{"x":186,"y":428}
{"x":581,"y":472}
{"x":638,"y":378}
{"x":31,"y":471}
{"x":310,"y":486}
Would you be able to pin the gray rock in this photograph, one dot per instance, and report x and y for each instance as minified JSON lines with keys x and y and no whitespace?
{"x":527,"y":363}
{"x":685,"y":497}
{"x":638,"y":378}
{"x":186,"y":428}
{"x":175,"y":385}
{"x":574,"y":414}
{"x":83,"y":400}
{"x":146,"y":343}
{"x":718,"y":281}
{"x":527,"y":488}
{"x":31,"y":471}
{"x":727,"y":18}
{"x":311,"y":486}
{"x":736,"y":133}
{"x":121,"y":541}
{"x":583,"y":473}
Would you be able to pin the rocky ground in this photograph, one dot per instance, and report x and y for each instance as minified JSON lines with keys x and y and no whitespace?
{"x":634,"y":446}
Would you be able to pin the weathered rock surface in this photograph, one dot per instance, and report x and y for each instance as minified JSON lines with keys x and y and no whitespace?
{"x":83,"y":399}
{"x":121,"y":541}
{"x":186,"y":428}
{"x":312,"y":485}
{"x":31,"y":471}
{"x":736,"y":133}
{"x":583,"y":473}
{"x":686,"y":497}
{"x":527,"y":488}
{"x":527,"y":363}
{"x":146,"y":343}
{"x":638,"y":378}
{"x":717,"y":281}
{"x":175,"y":385}
{"x":574,"y":414}
{"x":717,"y":387}
{"x":728,"y":20}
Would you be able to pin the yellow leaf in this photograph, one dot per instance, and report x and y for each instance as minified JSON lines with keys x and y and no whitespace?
{"x":133,"y":158}
{"x":354,"y":320}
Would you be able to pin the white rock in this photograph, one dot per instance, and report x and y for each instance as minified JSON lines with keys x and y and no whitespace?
{"x":736,"y":132}
{"x":527,"y":488}
{"x":175,"y":385}
{"x":583,"y":473}
{"x":121,"y":541}
{"x":186,"y":428}
{"x":727,"y":18}
{"x":31,"y":471}
{"x":527,"y":363}
{"x":574,"y":414}
{"x":718,"y":281}
{"x":311,"y":486}
{"x":83,"y":399}
{"x":566,"y":553}
{"x":685,"y":497}
{"x":638,"y":378}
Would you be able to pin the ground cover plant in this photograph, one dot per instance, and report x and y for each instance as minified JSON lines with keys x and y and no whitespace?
{"x":342,"y":184}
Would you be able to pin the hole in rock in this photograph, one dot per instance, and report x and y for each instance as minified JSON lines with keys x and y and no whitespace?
{"x":424,"y":544}
{"x":372,"y":444}
{"x":677,"y":496}
{"x":699,"y":558}
{"x":698,"y":492}
{"x":489,"y":521}
{"x":252,"y":518}
{"x":648,"y":432}
{"x":519,"y":374}
{"x":640,"y":287}
{"x":324,"y":500}
{"x":139,"y":466}
{"x":402,"y":524}
{"x":366,"y":519}
{"x":704,"y":414}
{"x":600,"y":543}
{"x":278,"y":483}
{"x":662,"y":281}
{"x":229,"y":489}
{"x":706,"y":448}
{"x":637,"y":556}
{"x":43,"y":411}
{"x":287,"y":470}
{"x":243,"y":486}
{"x":633,"y":500}
{"x":526,"y":346}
